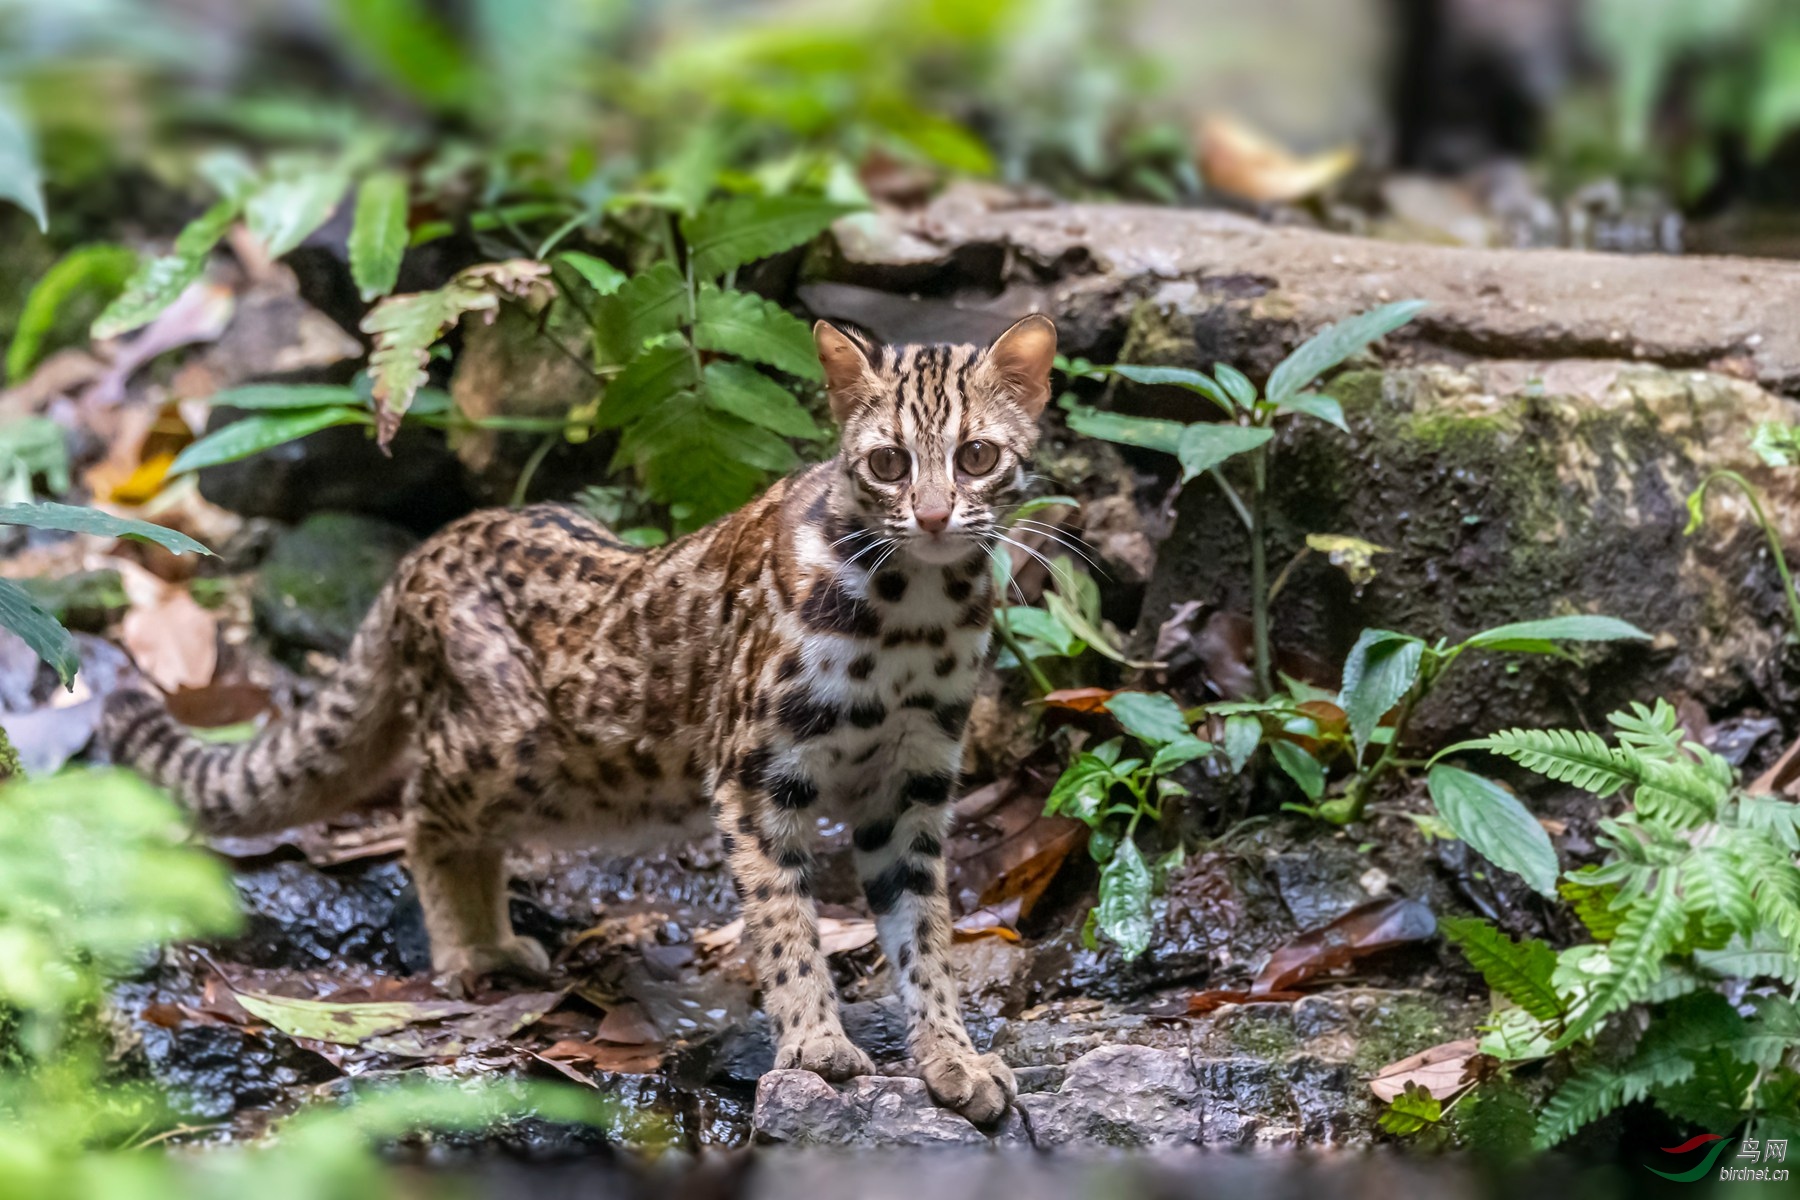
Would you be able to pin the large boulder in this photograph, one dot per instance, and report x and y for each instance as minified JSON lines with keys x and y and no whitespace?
{"x":1524,"y":451}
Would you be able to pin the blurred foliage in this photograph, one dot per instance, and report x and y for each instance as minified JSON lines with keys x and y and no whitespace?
{"x":95,"y":874}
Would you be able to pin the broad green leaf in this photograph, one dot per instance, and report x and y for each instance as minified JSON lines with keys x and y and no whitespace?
{"x":760,"y":330}
{"x":21,"y":179}
{"x":745,"y":392}
{"x":932,"y":135}
{"x":1179,"y":752}
{"x":157,"y":282}
{"x":410,"y":47}
{"x":1081,"y":790}
{"x":1580,"y":628}
{"x":1380,"y":671}
{"x":656,"y":375}
{"x":1198,"y":382}
{"x":1243,"y":733}
{"x":29,"y":447}
{"x":405,"y":327}
{"x":1301,"y":767}
{"x":1413,"y":1111}
{"x":94,"y":274}
{"x":1070,"y":615}
{"x":1312,"y":404}
{"x":275,"y":396}
{"x":1333,"y":344}
{"x":75,"y":519}
{"x":1495,"y":825}
{"x":378,"y":233}
{"x":1149,"y":433}
{"x":241,"y":439}
{"x":647,"y":305}
{"x":1237,"y":385}
{"x":729,"y":233}
{"x":1776,"y":443}
{"x":1203,"y":447}
{"x":1123,"y":913}
{"x":285,"y":210}
{"x":39,"y":630}
{"x":601,"y":275}
{"x":1042,"y":634}
{"x":1150,"y":717}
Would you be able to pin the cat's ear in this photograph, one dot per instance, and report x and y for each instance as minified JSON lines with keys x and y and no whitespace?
{"x":847,"y":369}
{"x":1020,"y":360}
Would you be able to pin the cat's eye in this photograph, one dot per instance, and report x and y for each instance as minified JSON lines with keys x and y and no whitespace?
{"x":977,"y":457}
{"x":889,"y":464}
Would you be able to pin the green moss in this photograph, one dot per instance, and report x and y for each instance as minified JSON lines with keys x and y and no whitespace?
{"x":1399,"y":1026}
{"x":1268,"y":1038}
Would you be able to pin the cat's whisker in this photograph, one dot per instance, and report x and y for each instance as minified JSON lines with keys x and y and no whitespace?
{"x":1066,"y":541}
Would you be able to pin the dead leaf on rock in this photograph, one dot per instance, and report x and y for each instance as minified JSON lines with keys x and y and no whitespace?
{"x":376,"y":833}
{"x":625,"y":1060}
{"x":999,"y":921}
{"x":1441,"y":1070}
{"x":628,"y":1025}
{"x":1244,"y":162}
{"x":1362,"y":931}
{"x":1216,"y":998}
{"x":405,"y":1028}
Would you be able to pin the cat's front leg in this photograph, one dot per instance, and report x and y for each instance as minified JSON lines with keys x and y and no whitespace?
{"x":900,"y":859}
{"x":767,"y":828}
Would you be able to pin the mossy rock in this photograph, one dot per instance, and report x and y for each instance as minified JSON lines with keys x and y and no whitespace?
{"x":1508,"y":491}
{"x":321,"y":576}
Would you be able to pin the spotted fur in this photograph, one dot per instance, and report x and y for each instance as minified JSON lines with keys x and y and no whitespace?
{"x":813,"y":654}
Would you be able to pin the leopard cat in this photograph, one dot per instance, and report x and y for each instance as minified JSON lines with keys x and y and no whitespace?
{"x":814,"y":653}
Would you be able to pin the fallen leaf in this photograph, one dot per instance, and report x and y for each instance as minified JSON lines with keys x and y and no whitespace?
{"x":1084,"y":700}
{"x":171,"y":638}
{"x":626,"y":1060}
{"x":998,"y":921}
{"x":218,"y":704}
{"x":1441,"y":1070}
{"x":407,"y":1028}
{"x":713,"y":941}
{"x":1362,"y":931}
{"x":1205,"y":1002}
{"x":627,"y":1025}
{"x":1353,"y":556}
{"x":843,"y":936}
{"x":1242,"y":161}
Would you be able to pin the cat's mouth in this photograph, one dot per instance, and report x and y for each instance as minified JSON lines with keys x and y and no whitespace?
{"x":940,"y":549}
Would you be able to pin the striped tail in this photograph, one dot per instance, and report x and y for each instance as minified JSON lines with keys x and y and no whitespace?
{"x":325,"y":757}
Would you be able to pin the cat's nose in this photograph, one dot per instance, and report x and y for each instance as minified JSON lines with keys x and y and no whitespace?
{"x":932,"y":520}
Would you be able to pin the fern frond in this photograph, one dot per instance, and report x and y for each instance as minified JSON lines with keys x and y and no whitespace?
{"x":1651,"y":929}
{"x":1716,"y":889}
{"x":1571,"y":756}
{"x":1760,"y":957}
{"x":1655,"y":729}
{"x":1520,"y":971}
{"x":1773,"y":816}
{"x":1587,"y":1096}
{"x":1592,"y":900}
{"x":1681,"y":794}
{"x":1775,"y":887}
{"x":1773,"y":1032}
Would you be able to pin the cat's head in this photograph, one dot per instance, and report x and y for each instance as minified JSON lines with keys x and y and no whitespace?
{"x":935,"y":438}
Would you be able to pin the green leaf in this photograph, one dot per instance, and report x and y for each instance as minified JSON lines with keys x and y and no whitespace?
{"x":277,"y":396}
{"x":1572,"y":756}
{"x":75,"y":519}
{"x":601,"y":275}
{"x":159,"y":281}
{"x":1123,"y":913}
{"x":687,"y":452}
{"x":1520,"y":971}
{"x":241,"y":439}
{"x":1048,"y":635}
{"x":730,"y":233}
{"x":1652,"y":926}
{"x":656,"y":375}
{"x":1243,"y":733}
{"x":1412,"y":1111}
{"x":1148,"y":433}
{"x":647,"y":305}
{"x":1237,"y":385}
{"x":39,"y":630}
{"x":378,"y":233}
{"x":1380,"y":671}
{"x":1333,"y":344}
{"x":1204,"y":447}
{"x":1198,"y":382}
{"x":1581,"y":628}
{"x":1312,"y":404}
{"x":1082,"y":789}
{"x":96,"y":273}
{"x":1181,"y":751}
{"x":412,"y":49}
{"x":405,"y":327}
{"x":760,"y":330}
{"x":284,"y":211}
{"x":746,"y":392}
{"x":1495,"y":825}
{"x":1070,"y":615}
{"x":21,"y":179}
{"x":1301,"y":767}
{"x":1151,"y":717}
{"x":1593,"y":905}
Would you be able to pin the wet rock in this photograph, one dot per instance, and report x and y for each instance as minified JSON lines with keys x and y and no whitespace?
{"x":211,"y":1071}
{"x":745,"y":1053}
{"x":1122,"y":1096}
{"x":800,"y":1108}
{"x":320,"y":578}
{"x":299,"y":916}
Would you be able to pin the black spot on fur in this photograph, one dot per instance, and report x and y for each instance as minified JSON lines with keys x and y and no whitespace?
{"x":752,"y":768}
{"x":828,"y":608}
{"x":890,"y":586}
{"x":884,"y":891}
{"x":944,"y":666}
{"x":926,"y":846}
{"x":788,"y":668}
{"x":872,"y":837}
{"x":804,"y":718}
{"x":958,"y":590}
{"x":952,"y":717}
{"x":866,"y":714}
{"x":792,"y":792}
{"x":861,"y":668}
{"x":927,"y":789}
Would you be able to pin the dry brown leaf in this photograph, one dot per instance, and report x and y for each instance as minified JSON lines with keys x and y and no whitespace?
{"x":1085,"y":700}
{"x":172,"y":639}
{"x":626,"y":1060}
{"x":1241,"y":161}
{"x":1363,"y":930}
{"x":714,"y":941}
{"x":628,"y":1025}
{"x":843,"y":936}
{"x":1441,"y":1070}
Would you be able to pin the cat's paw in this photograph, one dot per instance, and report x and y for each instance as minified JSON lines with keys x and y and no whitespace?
{"x":828,"y":1054}
{"x":979,"y":1086}
{"x":519,"y":958}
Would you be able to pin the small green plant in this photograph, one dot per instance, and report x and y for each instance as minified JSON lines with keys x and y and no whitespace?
{"x":1778,"y":445}
{"x":1686,"y":994}
{"x":1203,"y":447}
{"x":1090,"y":792}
